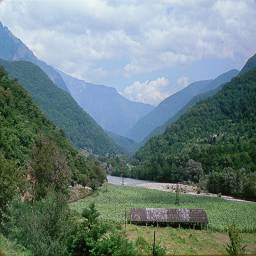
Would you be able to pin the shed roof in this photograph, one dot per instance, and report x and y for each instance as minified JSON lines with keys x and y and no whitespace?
{"x":164,"y":215}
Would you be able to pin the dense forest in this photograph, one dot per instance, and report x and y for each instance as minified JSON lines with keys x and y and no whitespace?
{"x":173,"y":104}
{"x":213,"y":143}
{"x":28,"y":139}
{"x":61,"y":108}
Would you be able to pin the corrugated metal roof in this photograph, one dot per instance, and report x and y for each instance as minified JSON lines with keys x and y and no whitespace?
{"x":164,"y":215}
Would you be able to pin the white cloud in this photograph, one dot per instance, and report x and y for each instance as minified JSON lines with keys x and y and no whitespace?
{"x":101,"y":39}
{"x":152,"y":92}
{"x":182,"y":82}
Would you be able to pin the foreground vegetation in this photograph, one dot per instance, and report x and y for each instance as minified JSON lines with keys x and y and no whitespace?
{"x":188,"y":241}
{"x":10,"y":248}
{"x":112,"y":201}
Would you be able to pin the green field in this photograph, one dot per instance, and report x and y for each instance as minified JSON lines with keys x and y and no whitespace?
{"x":113,"y":202}
{"x":189,"y":241}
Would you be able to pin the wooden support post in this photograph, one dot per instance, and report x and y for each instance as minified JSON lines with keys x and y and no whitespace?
{"x":125,"y":217}
{"x":154,"y":244}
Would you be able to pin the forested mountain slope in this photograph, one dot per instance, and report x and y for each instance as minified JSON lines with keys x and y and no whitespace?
{"x":110,"y":109}
{"x":216,"y":137}
{"x":24,"y":130}
{"x":173,"y":104}
{"x":250,"y":64}
{"x":161,"y":129}
{"x":61,"y":108}
{"x":12,"y":49}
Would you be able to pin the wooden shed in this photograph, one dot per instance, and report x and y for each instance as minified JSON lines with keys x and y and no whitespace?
{"x":172,"y":216}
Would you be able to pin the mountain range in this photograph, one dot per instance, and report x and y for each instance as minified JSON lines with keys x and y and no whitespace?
{"x":110,"y":109}
{"x":12,"y":49}
{"x":215,"y":137}
{"x":168,"y":108}
{"x":59,"y":107}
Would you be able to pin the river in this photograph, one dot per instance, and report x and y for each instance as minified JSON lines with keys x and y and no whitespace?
{"x":126,"y":181}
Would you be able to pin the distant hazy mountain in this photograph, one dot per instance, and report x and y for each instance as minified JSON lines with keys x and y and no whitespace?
{"x":168,"y":108}
{"x":127,"y":145}
{"x":12,"y":48}
{"x":111,"y":110}
{"x":60,"y":108}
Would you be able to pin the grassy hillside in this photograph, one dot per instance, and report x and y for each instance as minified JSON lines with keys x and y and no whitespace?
{"x":216,"y":137}
{"x":60,"y":108}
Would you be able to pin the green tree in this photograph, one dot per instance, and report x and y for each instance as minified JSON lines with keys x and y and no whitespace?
{"x":193,"y":170}
{"x":8,"y":183}
{"x":91,"y":214}
{"x":49,"y":169}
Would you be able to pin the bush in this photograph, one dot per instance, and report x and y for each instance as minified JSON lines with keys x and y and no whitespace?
{"x":115,"y":244}
{"x":91,"y":237}
{"x":42,"y":227}
{"x":235,"y":247}
{"x":144,"y":248}
{"x":8,"y":183}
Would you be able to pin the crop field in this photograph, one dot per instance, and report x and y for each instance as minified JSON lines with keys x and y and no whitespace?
{"x":112,"y":202}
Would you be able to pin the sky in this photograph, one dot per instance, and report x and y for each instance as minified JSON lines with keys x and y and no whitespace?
{"x":146,"y":49}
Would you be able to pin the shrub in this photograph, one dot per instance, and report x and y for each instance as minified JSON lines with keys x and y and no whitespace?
{"x":42,"y":227}
{"x":235,"y":247}
{"x":8,"y":183}
{"x":115,"y":244}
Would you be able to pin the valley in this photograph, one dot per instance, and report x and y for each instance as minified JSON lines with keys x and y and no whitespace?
{"x":127,"y":128}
